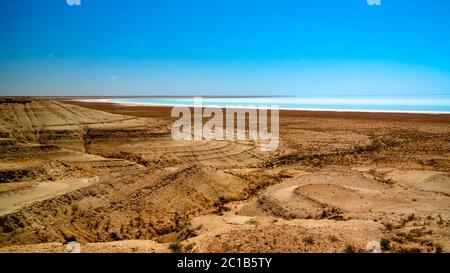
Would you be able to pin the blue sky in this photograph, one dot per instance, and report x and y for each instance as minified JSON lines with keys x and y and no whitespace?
{"x":225,"y":47}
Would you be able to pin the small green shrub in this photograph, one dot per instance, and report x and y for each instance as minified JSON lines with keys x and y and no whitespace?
{"x":308,"y":240}
{"x":385,"y":244}
{"x":176,"y":247}
{"x":349,"y":249}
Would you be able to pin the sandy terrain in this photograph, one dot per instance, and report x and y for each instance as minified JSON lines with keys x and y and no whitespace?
{"x":110,"y":177}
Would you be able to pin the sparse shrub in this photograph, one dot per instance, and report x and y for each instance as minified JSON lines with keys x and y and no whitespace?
{"x":7,"y":228}
{"x":331,"y":213}
{"x":411,"y":217}
{"x":176,"y":247}
{"x":308,"y":240}
{"x":199,"y":227}
{"x":438,"y":248}
{"x":189,"y":247}
{"x":389,"y":226}
{"x":428,"y":243}
{"x":186,"y":233}
{"x":220,"y":205}
{"x":139,"y":221}
{"x":107,"y":226}
{"x":385,"y":244}
{"x":349,"y":249}
{"x":176,"y":219}
{"x":334,"y":239}
{"x":75,"y":208}
{"x":137,"y":235}
{"x":114,"y":236}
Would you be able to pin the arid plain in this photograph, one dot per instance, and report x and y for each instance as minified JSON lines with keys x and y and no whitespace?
{"x":110,"y":177}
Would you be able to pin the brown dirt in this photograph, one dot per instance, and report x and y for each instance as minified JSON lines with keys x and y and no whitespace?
{"x":111,"y":177}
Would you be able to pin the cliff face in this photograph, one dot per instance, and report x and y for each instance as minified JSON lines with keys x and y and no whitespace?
{"x":68,"y":171}
{"x":53,"y":122}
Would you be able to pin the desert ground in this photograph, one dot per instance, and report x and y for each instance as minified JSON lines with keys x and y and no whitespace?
{"x":110,"y":177}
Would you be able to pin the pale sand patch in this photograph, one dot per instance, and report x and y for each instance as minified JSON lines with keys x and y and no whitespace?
{"x":431,"y":181}
{"x":41,"y":191}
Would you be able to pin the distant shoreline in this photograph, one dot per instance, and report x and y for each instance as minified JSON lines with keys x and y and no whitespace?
{"x":112,"y":100}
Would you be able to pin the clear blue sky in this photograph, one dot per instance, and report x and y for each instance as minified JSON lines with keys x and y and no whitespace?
{"x":224,"y":47}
